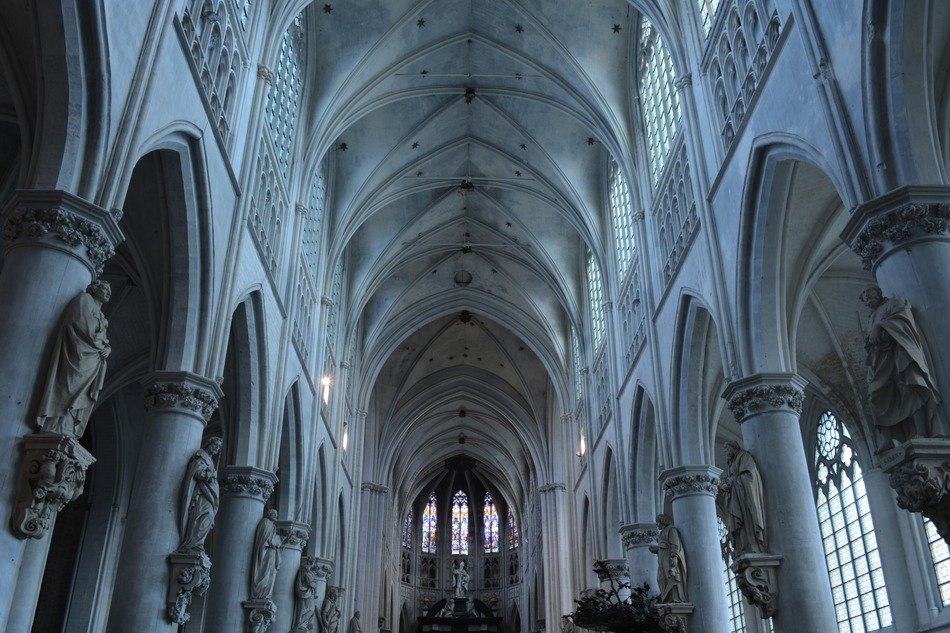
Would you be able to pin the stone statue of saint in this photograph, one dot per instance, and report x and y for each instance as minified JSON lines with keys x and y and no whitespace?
{"x":199,"y":498}
{"x":305,"y":592}
{"x":461,"y":578}
{"x":330,"y":612}
{"x":354,"y":625}
{"x":266,"y":561}
{"x":900,"y":386}
{"x":77,"y":367}
{"x":740,"y":501}
{"x":671,"y":571}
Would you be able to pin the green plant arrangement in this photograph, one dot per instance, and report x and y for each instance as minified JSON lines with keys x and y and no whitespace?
{"x":604,"y":610}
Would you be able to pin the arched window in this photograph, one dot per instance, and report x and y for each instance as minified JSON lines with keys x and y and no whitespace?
{"x":707,"y":13}
{"x":314,"y":219}
{"x":659,"y":101}
{"x":460,"y":524}
{"x":621,"y":212}
{"x":736,"y":617}
{"x":595,"y":290}
{"x":407,"y":530}
{"x":847,"y":532}
{"x":430,"y":526}
{"x":514,"y":538}
{"x":490,"y":525}
{"x":336,"y":292}
{"x":576,"y":351}
{"x":283,"y":98}
{"x":940,"y":555}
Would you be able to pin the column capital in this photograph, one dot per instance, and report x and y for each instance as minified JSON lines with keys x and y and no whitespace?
{"x":378,"y":489}
{"x":552,"y":487}
{"x":247,"y":481}
{"x":62,"y":221}
{"x":265,"y":74}
{"x":611,"y":569}
{"x":182,"y":391}
{"x":323,"y":568}
{"x":693,"y":479}
{"x":908,"y":214}
{"x":762,"y":393}
{"x":636,"y":535}
{"x":293,"y":533}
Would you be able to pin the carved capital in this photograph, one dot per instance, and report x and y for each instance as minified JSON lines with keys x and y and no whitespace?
{"x":247,"y":481}
{"x":763,"y":393}
{"x":907,"y":214}
{"x":919,"y":471}
{"x":323,"y":568}
{"x":188,"y":575}
{"x":378,"y":489}
{"x":615,"y":569}
{"x":636,"y":535}
{"x":56,"y":219}
{"x":552,"y":487}
{"x":326,"y":301}
{"x":293,"y":533}
{"x":683,"y":81}
{"x":684,"y":481}
{"x":260,"y":615}
{"x":182,"y":391}
{"x":674,"y":616}
{"x":265,"y":74}
{"x":757,"y":577}
{"x":52,"y":473}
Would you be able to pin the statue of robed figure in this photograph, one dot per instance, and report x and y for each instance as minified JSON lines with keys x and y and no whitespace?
{"x":199,"y":498}
{"x":305,"y":592}
{"x":267,"y":555}
{"x":740,"y":501}
{"x":671,"y":569}
{"x":77,"y":368}
{"x":330,"y":612}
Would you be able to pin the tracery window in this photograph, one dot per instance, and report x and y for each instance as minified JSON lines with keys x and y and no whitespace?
{"x":707,"y":13}
{"x":621,"y":212}
{"x":336,"y":292}
{"x":407,"y":530}
{"x":490,"y":525}
{"x":847,"y":531}
{"x":576,"y":351}
{"x":314,"y":219}
{"x":460,"y":524}
{"x":595,"y":290}
{"x":430,"y":524}
{"x":514,"y":537}
{"x":659,"y":100}
{"x":736,"y":617}
{"x":283,"y":98}
{"x":940,"y":555}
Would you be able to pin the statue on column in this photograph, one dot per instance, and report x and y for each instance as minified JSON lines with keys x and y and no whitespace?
{"x":330,"y":612}
{"x":671,"y":571}
{"x":740,"y":501}
{"x":901,"y":388}
{"x":354,"y":625}
{"x":77,"y":368}
{"x":461,"y":578}
{"x":200,"y":497}
{"x":266,"y":561}
{"x":305,"y":591}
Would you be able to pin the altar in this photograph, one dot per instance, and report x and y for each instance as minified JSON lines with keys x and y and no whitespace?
{"x":459,"y":615}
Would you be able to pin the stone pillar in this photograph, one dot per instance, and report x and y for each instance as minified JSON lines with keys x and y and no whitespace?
{"x":372,"y":521}
{"x":177,"y":405}
{"x":55,"y":245}
{"x":295,"y":536}
{"x":554,"y":507}
{"x":903,"y":237}
{"x":324,"y":569}
{"x":768,"y":407}
{"x":641,"y":562}
{"x":692,"y":492}
{"x":244,"y":489}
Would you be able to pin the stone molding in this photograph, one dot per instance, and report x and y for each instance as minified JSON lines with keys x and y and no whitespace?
{"x":265,"y":74}
{"x":260,"y":615}
{"x":182,"y":391}
{"x":636,"y":535}
{"x":52,"y":217}
{"x":757,"y":577}
{"x":293,"y":533}
{"x":684,"y":481}
{"x":552,"y":487}
{"x":323,"y":568}
{"x":189,"y":574}
{"x":764,"y":393}
{"x":52,"y":473}
{"x":247,"y":481}
{"x":909,"y":213}
{"x":378,"y":489}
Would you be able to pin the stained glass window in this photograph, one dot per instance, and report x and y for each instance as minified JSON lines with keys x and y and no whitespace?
{"x":621,"y":212}
{"x":659,"y":100}
{"x":460,"y":524}
{"x":736,"y":617}
{"x":430,"y":525}
{"x":407,"y":530}
{"x":514,"y":538}
{"x":941,"y":560}
{"x":283,"y":98}
{"x":847,"y":532}
{"x":490,"y":525}
{"x":707,"y":13}
{"x":595,"y":289}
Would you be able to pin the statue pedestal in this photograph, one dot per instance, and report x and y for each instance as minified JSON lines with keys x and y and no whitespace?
{"x":919,"y":471}
{"x":260,"y":615}
{"x":757,"y":576}
{"x":189,"y":574}
{"x":674,"y":616}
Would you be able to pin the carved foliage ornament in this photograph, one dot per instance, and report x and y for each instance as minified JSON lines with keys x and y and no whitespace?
{"x":260,"y":615}
{"x":189,"y":575}
{"x":758,"y":583}
{"x":67,"y":227}
{"x":925,"y":488}
{"x":638,"y":537}
{"x":294,"y":536}
{"x":899,"y":225}
{"x":248,"y":485}
{"x":764,"y":398}
{"x":177,"y":395}
{"x":687,"y":484}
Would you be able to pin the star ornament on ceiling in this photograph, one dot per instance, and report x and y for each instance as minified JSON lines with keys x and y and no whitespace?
{"x":328,"y":8}
{"x":421,"y":22}
{"x":519,"y":28}
{"x":616,"y":28}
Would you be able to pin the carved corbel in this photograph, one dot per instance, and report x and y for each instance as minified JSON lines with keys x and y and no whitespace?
{"x":260,"y":615}
{"x":757,"y":577}
{"x":919,"y":471}
{"x":674,"y":616}
{"x":189,"y":575}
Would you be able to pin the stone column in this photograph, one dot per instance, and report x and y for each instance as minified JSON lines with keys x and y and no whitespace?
{"x":177,"y":405}
{"x":692,"y":491}
{"x":768,"y":407}
{"x":324,"y":569}
{"x":295,"y":536}
{"x":903,"y":237}
{"x":55,"y":245}
{"x":641,"y":562}
{"x":553,"y":537}
{"x":371,"y":538}
{"x":244,"y":489}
